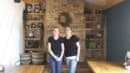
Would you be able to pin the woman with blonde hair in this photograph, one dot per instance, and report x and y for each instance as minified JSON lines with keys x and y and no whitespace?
{"x":56,"y":51}
{"x":72,"y":50}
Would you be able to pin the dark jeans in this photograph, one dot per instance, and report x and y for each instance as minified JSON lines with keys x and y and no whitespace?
{"x":55,"y":66}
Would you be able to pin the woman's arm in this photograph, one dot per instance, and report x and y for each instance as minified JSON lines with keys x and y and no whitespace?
{"x":62,"y":51}
{"x":51,"y":52}
{"x":78,"y":50}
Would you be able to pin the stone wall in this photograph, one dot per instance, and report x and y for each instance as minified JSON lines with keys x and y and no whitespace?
{"x":76,"y":10}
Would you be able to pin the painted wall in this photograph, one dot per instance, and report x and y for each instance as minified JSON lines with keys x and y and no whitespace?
{"x":11,"y":41}
{"x":118,"y":31}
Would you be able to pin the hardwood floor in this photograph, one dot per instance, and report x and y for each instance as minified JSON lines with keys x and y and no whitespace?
{"x":82,"y":68}
{"x":24,"y":69}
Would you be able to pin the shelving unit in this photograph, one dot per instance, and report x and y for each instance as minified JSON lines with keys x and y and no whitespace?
{"x":95,"y":34}
{"x":34,"y":25}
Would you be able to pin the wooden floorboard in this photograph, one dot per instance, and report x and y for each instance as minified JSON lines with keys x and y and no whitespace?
{"x":82,"y":68}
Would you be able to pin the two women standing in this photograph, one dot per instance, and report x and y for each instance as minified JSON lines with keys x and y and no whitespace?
{"x":68,"y":46}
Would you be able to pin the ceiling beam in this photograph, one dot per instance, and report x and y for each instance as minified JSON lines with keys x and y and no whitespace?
{"x":114,"y":3}
{"x":102,"y":4}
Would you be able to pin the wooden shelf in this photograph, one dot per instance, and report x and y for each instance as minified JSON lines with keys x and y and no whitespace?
{"x":32,"y":39}
{"x":95,"y":35}
{"x":33,"y":49}
{"x":29,"y":29}
{"x":94,"y":39}
{"x":34,"y":20}
{"x":35,"y":13}
{"x":95,"y":49}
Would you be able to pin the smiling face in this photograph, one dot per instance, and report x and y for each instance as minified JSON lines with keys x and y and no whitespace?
{"x":68,"y":31}
{"x":56,"y":32}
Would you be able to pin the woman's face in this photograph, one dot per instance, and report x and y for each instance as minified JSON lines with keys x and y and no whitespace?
{"x":68,"y":31}
{"x":56,"y":32}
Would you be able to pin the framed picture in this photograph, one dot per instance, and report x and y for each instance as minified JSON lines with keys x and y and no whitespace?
{"x":29,"y":8}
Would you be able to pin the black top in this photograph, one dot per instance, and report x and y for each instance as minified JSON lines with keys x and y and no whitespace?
{"x":56,"y":45}
{"x":70,"y":46}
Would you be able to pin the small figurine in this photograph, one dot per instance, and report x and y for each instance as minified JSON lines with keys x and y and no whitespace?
{"x":127,"y":61}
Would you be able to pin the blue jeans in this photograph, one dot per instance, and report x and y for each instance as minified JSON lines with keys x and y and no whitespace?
{"x":72,"y":65}
{"x":55,"y":66}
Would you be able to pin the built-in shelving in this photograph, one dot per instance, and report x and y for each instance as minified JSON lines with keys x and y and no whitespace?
{"x":95,"y":34}
{"x":34,"y":14}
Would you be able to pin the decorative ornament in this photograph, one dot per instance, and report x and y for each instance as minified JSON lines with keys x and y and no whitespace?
{"x":64,"y":19}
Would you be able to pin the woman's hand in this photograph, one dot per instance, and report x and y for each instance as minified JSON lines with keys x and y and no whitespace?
{"x":77,"y":59}
{"x":78,"y":51}
{"x":58,"y":58}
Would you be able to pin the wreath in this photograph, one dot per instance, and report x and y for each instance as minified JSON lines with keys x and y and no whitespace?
{"x":64,"y":19}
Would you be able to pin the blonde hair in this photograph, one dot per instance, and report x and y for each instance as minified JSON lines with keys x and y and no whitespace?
{"x":68,"y":27}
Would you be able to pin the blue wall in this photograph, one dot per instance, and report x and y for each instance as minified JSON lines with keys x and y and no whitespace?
{"x":118,"y":31}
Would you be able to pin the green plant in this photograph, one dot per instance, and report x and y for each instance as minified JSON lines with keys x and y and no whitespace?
{"x":64,"y":19}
